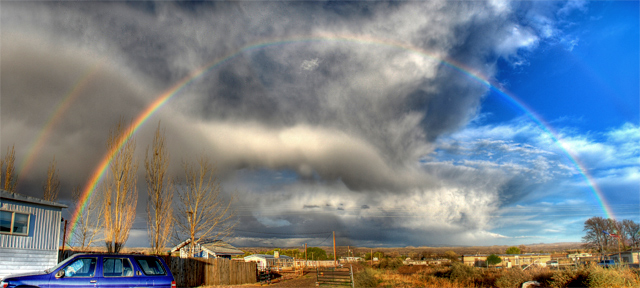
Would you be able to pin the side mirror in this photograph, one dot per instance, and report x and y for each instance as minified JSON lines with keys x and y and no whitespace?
{"x":60,"y":274}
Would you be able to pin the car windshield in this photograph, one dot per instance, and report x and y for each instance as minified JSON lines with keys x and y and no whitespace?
{"x":58,"y":266}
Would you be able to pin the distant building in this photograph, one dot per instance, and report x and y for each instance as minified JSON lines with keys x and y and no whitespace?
{"x":351,"y":259}
{"x":29,"y":233}
{"x":207,"y":249}
{"x":440,"y":261}
{"x":266,"y":261}
{"x":629,"y":256}
{"x":577,"y":256}
{"x":508,"y":260}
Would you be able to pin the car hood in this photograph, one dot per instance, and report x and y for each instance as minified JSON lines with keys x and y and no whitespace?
{"x":27,"y":274}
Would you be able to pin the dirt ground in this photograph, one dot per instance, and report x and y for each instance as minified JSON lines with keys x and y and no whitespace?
{"x":305,"y":281}
{"x":411,"y":269}
{"x":308,"y":280}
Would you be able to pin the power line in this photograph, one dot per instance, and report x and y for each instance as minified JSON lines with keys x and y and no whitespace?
{"x":324,"y":240}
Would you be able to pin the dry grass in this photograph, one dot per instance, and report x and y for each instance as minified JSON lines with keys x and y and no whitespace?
{"x":459,"y":275}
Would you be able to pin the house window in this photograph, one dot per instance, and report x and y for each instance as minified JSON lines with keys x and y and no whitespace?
{"x":14,"y":223}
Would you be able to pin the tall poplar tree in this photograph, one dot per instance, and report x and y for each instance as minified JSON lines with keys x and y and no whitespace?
{"x":119,"y":192}
{"x":160,"y":190}
{"x":8,"y":164}
{"x":51,"y":186}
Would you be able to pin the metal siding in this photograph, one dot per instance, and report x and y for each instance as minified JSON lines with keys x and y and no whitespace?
{"x":44,"y":226}
{"x":14,"y":261}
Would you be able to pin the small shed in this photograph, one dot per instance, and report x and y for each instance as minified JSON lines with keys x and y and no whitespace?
{"x":207,"y":249}
{"x":266,"y":261}
{"x":29,"y":233}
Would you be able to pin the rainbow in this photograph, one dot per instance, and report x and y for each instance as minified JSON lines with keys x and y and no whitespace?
{"x":347,"y":38}
{"x":34,"y":149}
{"x":604,"y":205}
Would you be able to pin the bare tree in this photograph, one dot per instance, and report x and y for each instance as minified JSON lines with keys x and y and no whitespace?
{"x":595,"y":237}
{"x":631,"y":232}
{"x":119,"y":192}
{"x":8,"y":167}
{"x":202,"y":212}
{"x":88,"y":223}
{"x":160,"y":190}
{"x":51,"y":185}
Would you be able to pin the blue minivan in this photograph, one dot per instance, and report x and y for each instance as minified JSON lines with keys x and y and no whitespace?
{"x":98,"y":270}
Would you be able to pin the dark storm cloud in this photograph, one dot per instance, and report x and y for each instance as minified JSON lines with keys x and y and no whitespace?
{"x":351,"y":118}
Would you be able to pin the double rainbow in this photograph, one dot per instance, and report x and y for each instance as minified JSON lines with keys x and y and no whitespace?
{"x":161,"y":99}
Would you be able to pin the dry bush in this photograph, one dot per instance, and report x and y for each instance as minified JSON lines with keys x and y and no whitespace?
{"x":488,"y":277}
{"x":542,"y":275}
{"x":569,"y":278}
{"x":462,"y":272}
{"x":392,"y":279}
{"x":367,"y":278}
{"x":612,"y":277}
{"x":433,"y":281}
{"x":512,"y":278}
{"x":390,"y":263}
{"x":460,"y":275}
{"x":411,"y":269}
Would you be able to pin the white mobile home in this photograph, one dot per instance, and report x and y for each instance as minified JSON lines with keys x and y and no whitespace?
{"x":207,"y":249}
{"x":29,"y":233}
{"x":265,"y":262}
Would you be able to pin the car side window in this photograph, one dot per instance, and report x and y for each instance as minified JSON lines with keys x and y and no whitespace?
{"x":116,"y":267}
{"x":82,"y":267}
{"x":150,"y":266}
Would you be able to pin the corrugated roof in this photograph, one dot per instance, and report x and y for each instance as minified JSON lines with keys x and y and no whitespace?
{"x":221,"y":247}
{"x":4,"y":194}
{"x":212,"y":246}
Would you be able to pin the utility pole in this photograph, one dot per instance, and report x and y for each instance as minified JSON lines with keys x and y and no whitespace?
{"x":64,"y":236}
{"x":305,"y":255}
{"x":371,"y":257}
{"x":335,"y":255}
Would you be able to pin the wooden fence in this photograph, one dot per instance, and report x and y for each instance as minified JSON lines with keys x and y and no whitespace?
{"x":334,"y":276}
{"x":314,"y":263}
{"x":193,"y":272}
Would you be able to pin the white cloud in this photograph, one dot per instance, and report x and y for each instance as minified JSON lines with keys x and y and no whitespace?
{"x":310,"y":65}
{"x":518,"y":38}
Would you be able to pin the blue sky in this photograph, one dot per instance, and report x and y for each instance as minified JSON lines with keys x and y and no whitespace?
{"x":362,"y":131}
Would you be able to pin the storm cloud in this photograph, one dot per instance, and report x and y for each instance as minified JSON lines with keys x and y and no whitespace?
{"x":347,"y":100}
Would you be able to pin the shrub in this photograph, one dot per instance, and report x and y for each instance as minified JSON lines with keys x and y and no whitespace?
{"x":512,"y":278}
{"x":366,"y":278}
{"x":612,"y":277}
{"x":390,"y":263}
{"x":462,"y":272}
{"x":569,"y":278}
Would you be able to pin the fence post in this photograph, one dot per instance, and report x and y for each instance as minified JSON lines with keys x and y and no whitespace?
{"x":353,"y":283}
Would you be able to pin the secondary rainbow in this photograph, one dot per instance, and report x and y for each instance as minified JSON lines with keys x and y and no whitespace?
{"x":54,"y":119}
{"x":177,"y":87}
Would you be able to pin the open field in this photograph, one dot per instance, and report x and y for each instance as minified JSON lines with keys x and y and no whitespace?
{"x":458,"y":275}
{"x":460,"y":250}
{"x":402,"y":251}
